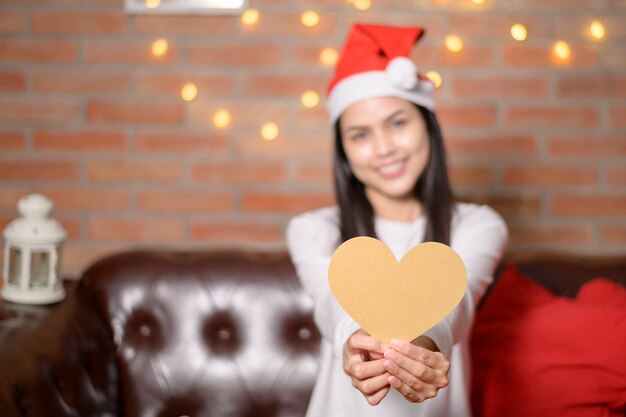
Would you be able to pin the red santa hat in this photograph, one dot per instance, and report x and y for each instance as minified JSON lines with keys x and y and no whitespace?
{"x":375,"y":63}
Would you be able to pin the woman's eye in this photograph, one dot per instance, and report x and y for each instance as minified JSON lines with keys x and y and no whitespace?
{"x":398,"y":123}
{"x":358,"y":136}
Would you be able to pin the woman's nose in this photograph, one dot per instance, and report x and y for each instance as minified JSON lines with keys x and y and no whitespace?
{"x":384,"y":144}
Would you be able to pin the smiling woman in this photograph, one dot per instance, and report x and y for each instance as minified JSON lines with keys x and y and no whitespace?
{"x":185,"y":6}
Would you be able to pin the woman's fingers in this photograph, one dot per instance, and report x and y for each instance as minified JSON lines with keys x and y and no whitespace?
{"x":359,"y":369}
{"x":363,"y":341}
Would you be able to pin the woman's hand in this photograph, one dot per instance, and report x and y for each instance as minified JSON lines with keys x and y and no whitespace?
{"x":415,"y":370}
{"x":363,"y":363}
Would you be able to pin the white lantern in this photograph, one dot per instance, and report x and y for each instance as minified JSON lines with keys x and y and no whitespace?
{"x":32,"y":254}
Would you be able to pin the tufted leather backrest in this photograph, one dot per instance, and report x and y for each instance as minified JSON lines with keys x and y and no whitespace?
{"x":211,"y":334}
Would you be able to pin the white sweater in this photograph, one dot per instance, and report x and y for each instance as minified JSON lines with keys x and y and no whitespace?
{"x":478,"y":235}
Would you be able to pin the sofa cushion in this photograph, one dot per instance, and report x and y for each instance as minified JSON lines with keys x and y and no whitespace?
{"x":536,"y":354}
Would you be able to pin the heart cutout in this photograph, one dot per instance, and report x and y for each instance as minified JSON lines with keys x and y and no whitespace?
{"x":391,"y":299}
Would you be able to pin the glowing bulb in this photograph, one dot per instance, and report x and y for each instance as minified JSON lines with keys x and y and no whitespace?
{"x":329,"y":56}
{"x":478,"y":1}
{"x":597,"y":29}
{"x":519,"y":32}
{"x":153,"y":4}
{"x":454,"y":43}
{"x":250,"y":17}
{"x":189,"y":92}
{"x":561,"y":49}
{"x":435,"y":77}
{"x":269,"y":131}
{"x":362,"y":4}
{"x":221,"y":119}
{"x":310,"y":99}
{"x":310,"y":18}
{"x":160,"y":47}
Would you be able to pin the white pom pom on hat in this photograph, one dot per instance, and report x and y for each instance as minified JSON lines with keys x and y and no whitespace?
{"x":375,"y":63}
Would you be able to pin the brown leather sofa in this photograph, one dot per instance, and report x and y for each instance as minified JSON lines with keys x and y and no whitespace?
{"x":212,"y":334}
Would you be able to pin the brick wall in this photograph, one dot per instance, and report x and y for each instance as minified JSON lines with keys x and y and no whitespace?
{"x":90,"y":118}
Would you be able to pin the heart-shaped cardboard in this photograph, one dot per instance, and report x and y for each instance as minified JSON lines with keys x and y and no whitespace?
{"x":391,"y":299}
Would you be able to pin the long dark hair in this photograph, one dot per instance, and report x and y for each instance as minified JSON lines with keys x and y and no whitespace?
{"x":432,"y":190}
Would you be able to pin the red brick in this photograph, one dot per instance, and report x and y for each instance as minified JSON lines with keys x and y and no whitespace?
{"x":288,"y":144}
{"x":552,"y":5}
{"x":12,"y":21}
{"x":78,"y":256}
{"x":40,"y":2}
{"x":248,"y":113}
{"x":184,"y":25}
{"x":12,"y":81}
{"x":469,"y":175}
{"x":240,"y":232}
{"x":595,"y":146}
{"x":617,"y":116}
{"x":599,"y":85}
{"x":576,"y":26}
{"x":613,"y":233}
{"x":614,"y":58}
{"x":219,"y":85}
{"x":588,"y":205}
{"x":38,"y":170}
{"x":542,"y":56}
{"x":550,"y":175}
{"x":475,"y":115}
{"x":86,"y":199}
{"x":547,"y":234}
{"x":136,"y":229}
{"x":78,"y":21}
{"x":39,"y":110}
{"x":437,"y":56}
{"x":186,"y":201}
{"x":498,"y":25}
{"x":125,"y":111}
{"x":37,"y":51}
{"x":616,"y":176}
{"x":317,"y":116}
{"x":503,"y":86}
{"x":10,"y":195}
{"x":79,"y":140}
{"x":239,"y":172}
{"x":272,"y":202}
{"x":12,"y":141}
{"x":72,"y":226}
{"x":289,"y":25}
{"x":209,"y":143}
{"x":239,"y":54}
{"x":283,"y":84}
{"x":310,"y":172}
{"x":81,"y":81}
{"x":308,"y":55}
{"x":579,"y":116}
{"x":127,"y":52}
{"x":492,"y":145}
{"x":126,"y":171}
{"x":508,"y":204}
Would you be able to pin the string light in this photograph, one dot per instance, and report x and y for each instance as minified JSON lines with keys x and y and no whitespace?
{"x":454,"y":43}
{"x":362,"y":4}
{"x":329,"y":56}
{"x":561,"y":49}
{"x":310,"y":99}
{"x":478,"y":1}
{"x":519,"y":32}
{"x":153,"y":4}
{"x":160,"y":47}
{"x":310,"y":18}
{"x":597,"y":29}
{"x":435,"y":77}
{"x":269,"y":131}
{"x":189,"y":92}
{"x":250,"y":17}
{"x":221,"y":119}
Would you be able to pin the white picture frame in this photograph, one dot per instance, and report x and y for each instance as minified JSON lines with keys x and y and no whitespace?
{"x":185,"y":6}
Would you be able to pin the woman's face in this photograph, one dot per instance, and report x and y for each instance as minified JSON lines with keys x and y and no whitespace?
{"x":386,"y":142}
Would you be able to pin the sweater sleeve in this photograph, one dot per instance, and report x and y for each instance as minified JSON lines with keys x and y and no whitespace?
{"x":311,"y":240}
{"x":480,"y":238}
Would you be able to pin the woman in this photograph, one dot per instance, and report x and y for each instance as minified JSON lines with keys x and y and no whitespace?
{"x":391,"y":183}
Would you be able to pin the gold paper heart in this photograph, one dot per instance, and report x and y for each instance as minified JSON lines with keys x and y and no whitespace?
{"x":391,"y":299}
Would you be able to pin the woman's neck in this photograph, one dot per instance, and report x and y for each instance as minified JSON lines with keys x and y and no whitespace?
{"x":404,"y":210}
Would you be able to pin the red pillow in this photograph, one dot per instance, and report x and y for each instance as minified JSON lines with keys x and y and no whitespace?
{"x":536,"y":354}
